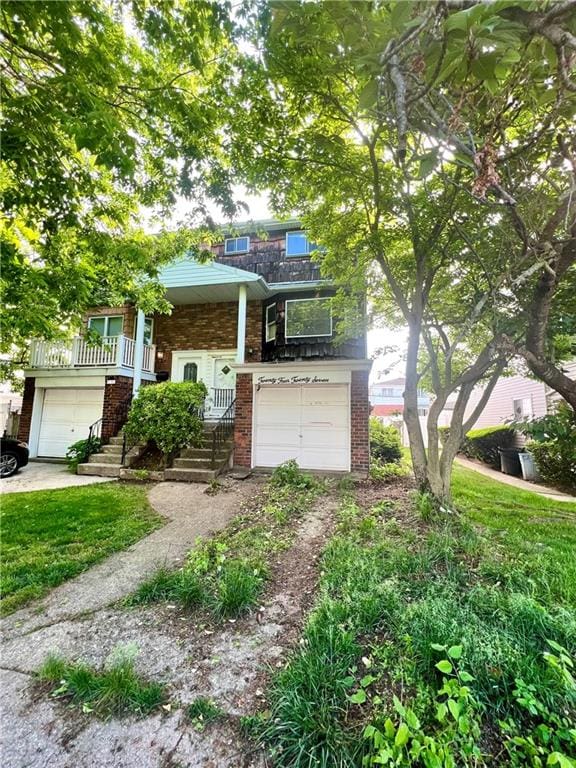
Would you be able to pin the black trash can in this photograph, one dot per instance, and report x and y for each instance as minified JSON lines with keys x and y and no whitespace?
{"x":510,"y":461}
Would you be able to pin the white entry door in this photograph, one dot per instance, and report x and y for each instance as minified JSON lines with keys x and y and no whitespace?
{"x":67,"y":415}
{"x":213,"y":368}
{"x":308,"y":423}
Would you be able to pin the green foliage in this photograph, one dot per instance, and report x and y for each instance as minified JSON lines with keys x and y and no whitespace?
{"x":385,"y":442}
{"x":388,"y":471}
{"x":411,"y":646}
{"x":168,"y":414}
{"x":51,"y":536}
{"x":554,"y":445}
{"x":201,"y":712}
{"x":107,"y":108}
{"x":80,"y":451}
{"x":484,"y":443}
{"x":289,"y":475}
{"x":237,"y":587}
{"x":115,"y":690}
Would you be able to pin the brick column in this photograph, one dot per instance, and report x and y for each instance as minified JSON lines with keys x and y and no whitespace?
{"x":243,"y":421}
{"x":114,"y":394}
{"x":26,"y":412}
{"x":359,"y":416}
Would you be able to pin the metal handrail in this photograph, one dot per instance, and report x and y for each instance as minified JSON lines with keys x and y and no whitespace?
{"x":222,"y":430}
{"x":95,"y":430}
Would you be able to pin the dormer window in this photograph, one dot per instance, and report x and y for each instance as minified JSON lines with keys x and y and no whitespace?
{"x":297,"y":244}
{"x":234,"y":245}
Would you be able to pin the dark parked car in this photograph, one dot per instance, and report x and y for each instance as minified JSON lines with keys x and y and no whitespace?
{"x":13,"y":455}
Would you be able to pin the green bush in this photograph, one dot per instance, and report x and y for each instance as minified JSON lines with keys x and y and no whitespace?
{"x":80,"y":452}
{"x":483,"y":444}
{"x":385,"y":442}
{"x":168,"y":414}
{"x":553,"y":445}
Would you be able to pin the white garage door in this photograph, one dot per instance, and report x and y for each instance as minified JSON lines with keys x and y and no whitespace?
{"x":309,"y":424}
{"x":66,"y":417}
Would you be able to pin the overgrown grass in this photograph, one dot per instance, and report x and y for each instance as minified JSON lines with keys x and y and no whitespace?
{"x":419,"y":653}
{"x":201,"y":712}
{"x":113,"y":691}
{"x":226,"y":574}
{"x":51,"y":536}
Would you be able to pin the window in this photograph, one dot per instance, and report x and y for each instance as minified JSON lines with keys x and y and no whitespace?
{"x":297,"y":244}
{"x":271,"y":322}
{"x":148,"y":330}
{"x":387,"y":392}
{"x":308,"y":317}
{"x":236,"y":245}
{"x":190,"y":372}
{"x":106,"y":325}
{"x":523,"y":408}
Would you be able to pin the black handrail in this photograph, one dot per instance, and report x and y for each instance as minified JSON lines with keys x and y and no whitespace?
{"x":95,"y":430}
{"x":223,"y":429}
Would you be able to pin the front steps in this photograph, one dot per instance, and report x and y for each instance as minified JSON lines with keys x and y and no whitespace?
{"x":194,"y":465}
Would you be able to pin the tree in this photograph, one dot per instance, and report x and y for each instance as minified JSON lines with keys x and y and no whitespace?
{"x":107,"y":107}
{"x":430,"y":147}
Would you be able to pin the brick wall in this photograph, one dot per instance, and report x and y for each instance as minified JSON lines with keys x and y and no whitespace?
{"x":243,"y":421}
{"x":26,"y":412}
{"x":359,"y":415}
{"x":114,"y":394}
{"x":206,"y":326}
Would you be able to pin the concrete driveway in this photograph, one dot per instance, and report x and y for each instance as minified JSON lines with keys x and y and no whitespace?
{"x":43,"y":476}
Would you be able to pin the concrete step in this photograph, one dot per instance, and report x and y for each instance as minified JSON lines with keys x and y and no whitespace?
{"x":112,"y":449}
{"x":205,"y":453}
{"x":195,"y":463}
{"x":116,"y":440}
{"x":104,"y":458}
{"x":190,"y":475}
{"x":103,"y":470}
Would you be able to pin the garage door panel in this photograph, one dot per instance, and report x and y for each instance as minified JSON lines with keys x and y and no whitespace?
{"x":309,"y":424}
{"x":66,"y":417}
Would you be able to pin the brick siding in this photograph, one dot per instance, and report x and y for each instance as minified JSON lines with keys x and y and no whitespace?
{"x":206,"y":326}
{"x":114,"y":394}
{"x":243,"y":421}
{"x":26,"y":412}
{"x":359,"y":416}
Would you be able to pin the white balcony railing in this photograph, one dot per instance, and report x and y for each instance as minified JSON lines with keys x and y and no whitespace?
{"x":79,"y":353}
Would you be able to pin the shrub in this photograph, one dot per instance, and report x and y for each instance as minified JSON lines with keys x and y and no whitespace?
{"x":168,"y":414}
{"x":80,"y":452}
{"x":554,"y":445}
{"x":483,"y":444}
{"x":385,"y":442}
{"x":289,"y":474}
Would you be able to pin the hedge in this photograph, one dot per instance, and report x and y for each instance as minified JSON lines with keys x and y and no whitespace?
{"x":484,"y":443}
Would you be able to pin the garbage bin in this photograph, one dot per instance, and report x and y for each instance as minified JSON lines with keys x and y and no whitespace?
{"x":529,"y":468}
{"x":509,"y":461}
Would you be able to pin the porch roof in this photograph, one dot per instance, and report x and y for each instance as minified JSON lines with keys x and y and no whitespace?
{"x":189,"y":281}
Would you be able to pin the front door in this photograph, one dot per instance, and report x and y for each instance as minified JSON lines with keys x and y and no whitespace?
{"x":212,"y":368}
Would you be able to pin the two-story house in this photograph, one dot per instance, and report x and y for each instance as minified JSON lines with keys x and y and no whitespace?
{"x":255,"y":324}
{"x":387,"y":399}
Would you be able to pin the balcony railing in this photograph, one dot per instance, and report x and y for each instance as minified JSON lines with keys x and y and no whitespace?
{"x":79,"y":353}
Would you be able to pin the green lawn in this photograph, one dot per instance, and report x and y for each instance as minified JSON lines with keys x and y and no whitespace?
{"x":50,"y":536}
{"x":445,"y":642}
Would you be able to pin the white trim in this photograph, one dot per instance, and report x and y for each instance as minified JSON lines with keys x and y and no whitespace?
{"x":151,"y":318}
{"x":309,"y":366}
{"x":239,"y":237}
{"x":107,"y":318}
{"x":267,"y":322}
{"x":36,"y":421}
{"x":308,"y":335}
{"x":70,"y":376}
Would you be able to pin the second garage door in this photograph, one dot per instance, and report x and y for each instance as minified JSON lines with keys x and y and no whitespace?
{"x":309,"y":423}
{"x":66,"y":418}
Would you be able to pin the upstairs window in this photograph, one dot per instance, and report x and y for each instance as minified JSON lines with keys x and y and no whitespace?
{"x":308,"y":317}
{"x":297,"y":244}
{"x":271,"y":322}
{"x":106,"y":325}
{"x":234,"y":245}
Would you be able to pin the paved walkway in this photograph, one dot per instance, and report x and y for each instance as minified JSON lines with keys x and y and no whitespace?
{"x":44,"y":476}
{"x":517,"y":482}
{"x":191,"y":513}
